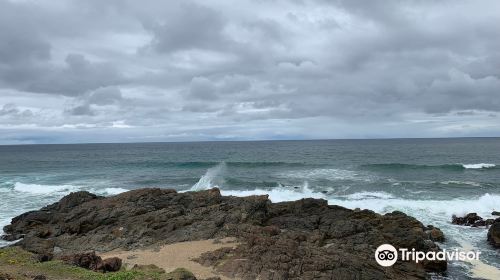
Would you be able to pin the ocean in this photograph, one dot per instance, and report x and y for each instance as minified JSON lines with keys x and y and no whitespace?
{"x":430,"y":179}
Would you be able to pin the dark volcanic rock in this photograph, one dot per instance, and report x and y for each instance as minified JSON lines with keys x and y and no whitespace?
{"x":435,"y":234}
{"x":303,"y":239}
{"x":471,"y":219}
{"x":43,"y":248}
{"x":468,"y":220}
{"x":90,"y":260}
{"x":110,"y":265}
{"x":494,"y":233}
{"x":495,"y":213}
{"x":85,"y":260}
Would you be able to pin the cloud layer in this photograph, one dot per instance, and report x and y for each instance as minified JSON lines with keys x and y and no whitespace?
{"x":132,"y":71}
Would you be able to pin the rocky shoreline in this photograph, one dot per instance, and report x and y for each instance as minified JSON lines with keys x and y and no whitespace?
{"x":474,"y":220}
{"x":303,"y":239}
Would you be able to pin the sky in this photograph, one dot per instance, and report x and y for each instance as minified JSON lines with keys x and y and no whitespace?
{"x":149,"y":71}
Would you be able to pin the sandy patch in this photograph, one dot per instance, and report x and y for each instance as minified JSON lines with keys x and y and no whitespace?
{"x":480,"y":269}
{"x":172,"y":256}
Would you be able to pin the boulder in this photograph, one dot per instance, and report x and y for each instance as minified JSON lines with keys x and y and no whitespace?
{"x":494,"y":234}
{"x":467,"y":220}
{"x":495,"y":213}
{"x":88,"y":260}
{"x":110,"y":265}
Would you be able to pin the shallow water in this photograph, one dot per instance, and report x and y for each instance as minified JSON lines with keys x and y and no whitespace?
{"x":430,"y":179}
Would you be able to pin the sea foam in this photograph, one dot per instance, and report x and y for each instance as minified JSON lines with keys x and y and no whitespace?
{"x":112,"y":191}
{"x":381,"y":202}
{"x":478,"y":165}
{"x":332,"y":174}
{"x":43,"y":189}
{"x":214,"y":177}
{"x":279,"y":194}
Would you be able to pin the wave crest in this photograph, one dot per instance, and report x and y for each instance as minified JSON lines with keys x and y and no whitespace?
{"x":214,"y":177}
{"x":479,"y":165}
{"x":43,"y":189}
{"x":446,"y":167}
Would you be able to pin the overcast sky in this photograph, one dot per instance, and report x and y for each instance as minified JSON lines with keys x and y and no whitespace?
{"x":136,"y":71}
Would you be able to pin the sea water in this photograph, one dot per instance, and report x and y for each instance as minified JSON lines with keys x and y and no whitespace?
{"x":430,"y":179}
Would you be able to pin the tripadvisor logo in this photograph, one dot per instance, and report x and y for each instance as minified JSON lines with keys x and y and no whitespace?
{"x":387,"y":255}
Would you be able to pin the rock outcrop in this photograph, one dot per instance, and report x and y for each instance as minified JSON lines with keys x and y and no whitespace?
{"x":303,"y":239}
{"x":471,"y":219}
{"x":494,"y":233}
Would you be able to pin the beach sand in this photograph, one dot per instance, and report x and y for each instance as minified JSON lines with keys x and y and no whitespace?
{"x":177,"y":255}
{"x":479,"y":268}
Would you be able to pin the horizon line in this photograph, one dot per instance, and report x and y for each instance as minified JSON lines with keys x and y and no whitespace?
{"x":257,"y":140}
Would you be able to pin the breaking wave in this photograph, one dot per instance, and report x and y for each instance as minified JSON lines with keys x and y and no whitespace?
{"x":214,"y":177}
{"x":43,"y":189}
{"x":279,"y":194}
{"x":446,"y":167}
{"x":111,"y":191}
{"x":381,"y":202}
{"x":331,"y":174}
{"x":479,"y":166}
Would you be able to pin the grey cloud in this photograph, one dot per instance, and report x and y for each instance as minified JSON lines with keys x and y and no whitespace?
{"x":204,"y":68}
{"x":202,"y":88}
{"x":19,"y":40}
{"x":105,"y":96}
{"x":462,"y":92}
{"x":81,"y":110}
{"x":189,"y":26}
{"x":11,"y":110}
{"x":234,"y":84}
{"x":78,"y":76}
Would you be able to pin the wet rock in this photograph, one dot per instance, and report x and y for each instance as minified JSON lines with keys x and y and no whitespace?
{"x":435,"y":234}
{"x":479,"y":223}
{"x":467,"y":220}
{"x":433,"y":266}
{"x":472,"y":220}
{"x":494,"y":234}
{"x":495,"y":213}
